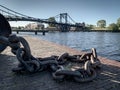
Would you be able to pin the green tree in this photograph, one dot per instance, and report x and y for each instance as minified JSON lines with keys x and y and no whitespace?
{"x":51,"y":19}
{"x":90,"y":26}
{"x":101,"y":23}
{"x":118,"y":22}
{"x":113,"y":26}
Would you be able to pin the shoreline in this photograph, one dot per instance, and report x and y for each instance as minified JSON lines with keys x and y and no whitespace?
{"x":47,"y":30}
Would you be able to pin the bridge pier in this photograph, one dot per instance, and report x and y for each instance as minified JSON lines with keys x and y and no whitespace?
{"x":64,"y":28}
{"x":43,"y":33}
{"x":35,"y":32}
{"x":17,"y":32}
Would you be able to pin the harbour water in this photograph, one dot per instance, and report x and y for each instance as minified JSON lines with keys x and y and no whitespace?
{"x":106,"y":43}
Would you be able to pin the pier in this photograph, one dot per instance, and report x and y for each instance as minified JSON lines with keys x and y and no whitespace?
{"x":35,"y":31}
{"x":107,"y":79}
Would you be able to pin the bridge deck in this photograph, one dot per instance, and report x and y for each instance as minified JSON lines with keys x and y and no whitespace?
{"x":108,"y":79}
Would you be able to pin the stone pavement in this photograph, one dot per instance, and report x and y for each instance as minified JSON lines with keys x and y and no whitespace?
{"x":107,"y":79}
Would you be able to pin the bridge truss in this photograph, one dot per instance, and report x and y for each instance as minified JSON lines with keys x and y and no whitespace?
{"x":63,"y":20}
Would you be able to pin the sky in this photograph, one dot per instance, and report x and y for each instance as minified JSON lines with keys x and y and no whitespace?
{"x":88,"y":11}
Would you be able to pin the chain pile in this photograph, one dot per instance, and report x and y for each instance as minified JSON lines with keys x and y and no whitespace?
{"x":56,"y":64}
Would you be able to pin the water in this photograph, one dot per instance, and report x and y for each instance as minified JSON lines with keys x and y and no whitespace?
{"x":106,"y":43}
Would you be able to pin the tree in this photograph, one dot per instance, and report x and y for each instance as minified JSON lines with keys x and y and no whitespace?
{"x":118,"y":22}
{"x":113,"y":26}
{"x":101,"y":23}
{"x":51,"y":19}
{"x":90,"y":26}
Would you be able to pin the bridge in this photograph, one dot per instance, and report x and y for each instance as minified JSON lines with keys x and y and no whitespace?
{"x":63,"y":21}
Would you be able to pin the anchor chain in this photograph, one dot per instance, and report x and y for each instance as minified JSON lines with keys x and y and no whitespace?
{"x":28,"y":63}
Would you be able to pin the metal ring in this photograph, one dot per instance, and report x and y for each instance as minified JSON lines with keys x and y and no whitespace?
{"x":95,"y":62}
{"x":19,"y":54}
{"x":62,"y":59}
{"x":5,"y":30}
{"x":13,"y":38}
{"x":26,"y":46}
{"x":35,"y":64}
{"x":94,"y":52}
{"x":88,"y":78}
{"x":87,"y":67}
{"x":14,"y":45}
{"x":58,"y":77}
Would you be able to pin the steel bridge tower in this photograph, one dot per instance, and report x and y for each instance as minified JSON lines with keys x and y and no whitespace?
{"x":63,"y":18}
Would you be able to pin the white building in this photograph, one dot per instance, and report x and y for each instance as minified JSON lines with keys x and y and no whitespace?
{"x":35,"y":26}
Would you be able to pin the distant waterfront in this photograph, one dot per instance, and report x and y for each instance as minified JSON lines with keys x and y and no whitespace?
{"x":106,"y":43}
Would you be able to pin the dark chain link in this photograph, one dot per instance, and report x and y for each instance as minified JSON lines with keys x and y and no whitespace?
{"x":28,"y":63}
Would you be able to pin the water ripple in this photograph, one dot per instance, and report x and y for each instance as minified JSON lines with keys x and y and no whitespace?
{"x":106,"y":43}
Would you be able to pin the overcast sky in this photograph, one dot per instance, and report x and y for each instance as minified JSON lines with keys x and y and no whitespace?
{"x":88,"y":11}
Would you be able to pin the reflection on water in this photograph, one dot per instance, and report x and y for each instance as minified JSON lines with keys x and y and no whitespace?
{"x":106,"y":43}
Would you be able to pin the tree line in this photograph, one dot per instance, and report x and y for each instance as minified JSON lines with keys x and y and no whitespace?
{"x":101,"y":24}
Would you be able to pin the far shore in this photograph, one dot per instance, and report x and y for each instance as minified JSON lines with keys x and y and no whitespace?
{"x":47,"y":30}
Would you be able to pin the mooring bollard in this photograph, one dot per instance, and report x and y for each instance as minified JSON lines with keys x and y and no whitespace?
{"x":5,"y":31}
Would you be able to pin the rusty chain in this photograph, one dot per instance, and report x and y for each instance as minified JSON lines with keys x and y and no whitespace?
{"x":28,"y":63}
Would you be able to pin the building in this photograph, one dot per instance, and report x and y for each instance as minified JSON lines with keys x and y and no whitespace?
{"x":35,"y":26}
